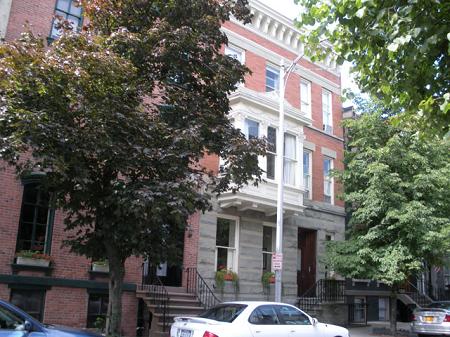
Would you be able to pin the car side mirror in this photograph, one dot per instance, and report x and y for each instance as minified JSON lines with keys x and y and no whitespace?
{"x":27,"y":326}
{"x":314,"y":321}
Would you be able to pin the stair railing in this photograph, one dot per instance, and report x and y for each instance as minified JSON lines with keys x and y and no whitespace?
{"x":198,"y":286}
{"x":324,"y":290}
{"x":417,"y":296}
{"x":158,"y":293}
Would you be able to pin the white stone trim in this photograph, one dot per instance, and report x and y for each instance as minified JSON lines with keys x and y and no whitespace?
{"x":328,"y":152}
{"x":308,"y":145}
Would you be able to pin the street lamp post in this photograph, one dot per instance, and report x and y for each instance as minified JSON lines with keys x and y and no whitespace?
{"x":284,"y":75}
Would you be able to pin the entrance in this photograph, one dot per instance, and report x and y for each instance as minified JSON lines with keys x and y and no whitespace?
{"x":306,"y":268}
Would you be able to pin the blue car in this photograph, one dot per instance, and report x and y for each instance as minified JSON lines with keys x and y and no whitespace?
{"x":17,"y":323}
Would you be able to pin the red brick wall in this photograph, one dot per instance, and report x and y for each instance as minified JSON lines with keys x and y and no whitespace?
{"x":39,"y":14}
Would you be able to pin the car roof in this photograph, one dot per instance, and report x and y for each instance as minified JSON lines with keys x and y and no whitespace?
{"x":255,"y":303}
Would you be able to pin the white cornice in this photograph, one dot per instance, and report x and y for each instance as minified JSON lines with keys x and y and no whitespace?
{"x":279,"y":29}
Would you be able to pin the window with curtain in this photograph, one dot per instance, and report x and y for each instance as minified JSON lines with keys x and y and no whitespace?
{"x":290,"y":159}
{"x":268,"y":247}
{"x":305,"y":97}
{"x":271,"y":152}
{"x":307,"y":173}
{"x":326,"y":112}
{"x":327,"y":180}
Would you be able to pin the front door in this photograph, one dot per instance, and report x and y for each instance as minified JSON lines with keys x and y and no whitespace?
{"x":306,"y":269}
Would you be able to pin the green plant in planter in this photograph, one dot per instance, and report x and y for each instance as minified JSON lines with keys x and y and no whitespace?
{"x":223,"y":275}
{"x":101,"y":262}
{"x":33,"y":254}
{"x":100,"y":324}
{"x":267,"y":278}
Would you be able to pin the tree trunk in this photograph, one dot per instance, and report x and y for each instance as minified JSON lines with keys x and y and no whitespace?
{"x":393,"y":312}
{"x":116,"y":276}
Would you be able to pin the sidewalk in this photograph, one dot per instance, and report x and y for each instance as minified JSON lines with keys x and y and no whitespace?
{"x":375,"y":329}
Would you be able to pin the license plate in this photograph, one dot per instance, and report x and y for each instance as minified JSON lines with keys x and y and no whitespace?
{"x":184,"y":333}
{"x":429,"y":319}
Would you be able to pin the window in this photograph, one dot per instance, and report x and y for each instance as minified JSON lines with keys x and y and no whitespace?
{"x":226,"y":237}
{"x":289,"y":315}
{"x":326,"y":112}
{"x":305,"y":97}
{"x":272,"y":79}
{"x":235,"y":53}
{"x":29,"y":300}
{"x":264,"y":315}
{"x":271,"y":152}
{"x":290,"y":159}
{"x":35,"y":218}
{"x":268,"y":247}
{"x":251,"y":129}
{"x":327,"y":180}
{"x":97,"y":310}
{"x":307,"y":174}
{"x":66,"y":10}
{"x":10,"y":321}
{"x":224,"y":312}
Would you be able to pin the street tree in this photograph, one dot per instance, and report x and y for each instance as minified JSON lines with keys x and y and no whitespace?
{"x":396,"y":190}
{"x":399,"y":51}
{"x":118,"y":117}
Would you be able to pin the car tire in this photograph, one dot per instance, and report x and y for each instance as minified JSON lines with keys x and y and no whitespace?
{"x":424,"y":335}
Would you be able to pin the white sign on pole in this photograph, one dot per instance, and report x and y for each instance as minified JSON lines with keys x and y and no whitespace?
{"x":277,"y":261}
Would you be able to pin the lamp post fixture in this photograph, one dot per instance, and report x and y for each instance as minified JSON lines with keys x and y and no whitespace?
{"x":284,"y":75}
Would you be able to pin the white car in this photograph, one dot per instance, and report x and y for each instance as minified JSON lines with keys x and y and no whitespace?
{"x":254,"y":319}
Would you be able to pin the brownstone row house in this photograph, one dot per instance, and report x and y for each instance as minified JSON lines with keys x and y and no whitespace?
{"x":239,"y":233}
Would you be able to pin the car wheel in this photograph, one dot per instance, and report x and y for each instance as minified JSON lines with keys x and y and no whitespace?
{"x":424,"y":335}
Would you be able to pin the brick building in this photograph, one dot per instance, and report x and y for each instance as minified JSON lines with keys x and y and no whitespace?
{"x":239,"y":233}
{"x":69,"y":290}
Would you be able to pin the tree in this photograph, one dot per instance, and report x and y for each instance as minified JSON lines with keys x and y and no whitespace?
{"x":399,"y":51}
{"x":118,"y":117}
{"x":396,"y":188}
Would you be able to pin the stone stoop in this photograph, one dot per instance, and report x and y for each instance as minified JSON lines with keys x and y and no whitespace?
{"x":181,"y":303}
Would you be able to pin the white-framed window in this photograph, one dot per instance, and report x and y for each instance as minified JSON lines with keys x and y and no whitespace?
{"x":327,"y":180}
{"x":272,"y":79}
{"x":327,"y":111}
{"x":227,"y":237}
{"x":307,"y":173}
{"x":251,"y":129}
{"x":271,"y":152}
{"x":69,"y":10}
{"x":268,"y":247}
{"x":290,"y":158}
{"x":236,"y":53}
{"x":305,"y":97}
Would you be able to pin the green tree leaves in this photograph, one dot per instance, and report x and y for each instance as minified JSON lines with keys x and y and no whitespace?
{"x":400,"y":52}
{"x":396,"y":188}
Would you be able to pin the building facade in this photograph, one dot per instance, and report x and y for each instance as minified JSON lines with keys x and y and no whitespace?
{"x":239,"y":234}
{"x":59,"y":288}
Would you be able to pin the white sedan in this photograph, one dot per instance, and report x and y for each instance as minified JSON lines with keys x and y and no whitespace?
{"x":254,"y":319}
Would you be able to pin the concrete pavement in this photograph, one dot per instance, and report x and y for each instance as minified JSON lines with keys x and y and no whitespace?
{"x":378,"y":329}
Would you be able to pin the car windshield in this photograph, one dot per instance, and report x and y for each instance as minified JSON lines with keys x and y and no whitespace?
{"x":224,"y":312}
{"x":439,"y":305}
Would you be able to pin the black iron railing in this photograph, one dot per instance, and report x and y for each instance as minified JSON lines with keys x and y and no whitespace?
{"x":322,"y":291}
{"x":198,"y":286}
{"x":159,"y":296}
{"x":418,"y":296}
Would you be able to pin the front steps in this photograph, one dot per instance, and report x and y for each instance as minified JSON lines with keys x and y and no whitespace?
{"x":181,"y":303}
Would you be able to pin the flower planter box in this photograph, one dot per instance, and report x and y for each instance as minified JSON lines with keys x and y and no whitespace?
{"x":101,"y":268}
{"x":28,"y":261}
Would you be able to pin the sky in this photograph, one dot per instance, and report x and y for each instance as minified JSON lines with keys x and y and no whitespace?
{"x":289,"y":9}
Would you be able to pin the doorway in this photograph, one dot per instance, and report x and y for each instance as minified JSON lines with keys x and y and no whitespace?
{"x":306,"y":267}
